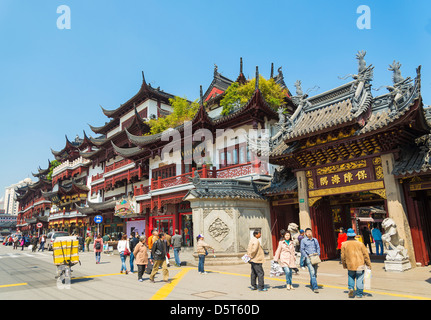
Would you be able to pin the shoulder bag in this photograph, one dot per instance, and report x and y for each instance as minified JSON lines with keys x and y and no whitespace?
{"x":314,"y":258}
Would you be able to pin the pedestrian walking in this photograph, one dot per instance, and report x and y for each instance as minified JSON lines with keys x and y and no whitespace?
{"x":81,"y":243}
{"x":202,"y":251}
{"x":168,"y":246}
{"x":132,"y":243}
{"x":42,"y":243}
{"x":311,"y":250}
{"x":153,"y":238}
{"x":355,"y":258}
{"x":98,"y":247}
{"x":342,"y":236}
{"x":159,"y":257}
{"x":285,"y":256}
{"x":22,"y":244}
{"x":15,"y":242}
{"x":87,"y":242}
{"x":106,"y":238}
{"x":124,"y":250}
{"x":34,"y":240}
{"x":302,"y":258}
{"x":377,"y":236}
{"x":177,"y":241}
{"x":367,"y":238}
{"x":257,"y":258}
{"x":141,"y":255}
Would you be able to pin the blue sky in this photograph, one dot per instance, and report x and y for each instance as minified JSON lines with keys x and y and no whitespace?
{"x":52,"y":81}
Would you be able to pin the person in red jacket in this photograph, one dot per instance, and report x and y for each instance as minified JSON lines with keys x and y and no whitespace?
{"x":342,"y":236}
{"x":98,"y":247}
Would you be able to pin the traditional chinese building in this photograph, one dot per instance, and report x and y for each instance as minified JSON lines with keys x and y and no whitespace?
{"x":114,"y":179}
{"x":345,"y":150}
{"x":69,"y":187}
{"x":161,"y":199}
{"x":33,"y":205}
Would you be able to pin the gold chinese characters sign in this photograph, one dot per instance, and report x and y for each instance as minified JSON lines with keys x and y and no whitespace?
{"x":346,"y":189}
{"x":354,"y":176}
{"x":342,"y":178}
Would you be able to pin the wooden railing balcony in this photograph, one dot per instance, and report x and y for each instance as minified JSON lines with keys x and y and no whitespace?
{"x":237,"y":170}
{"x":141,"y":190}
{"x":97,"y":177}
{"x":117,"y":165}
{"x":70,"y":165}
{"x":175,"y":180}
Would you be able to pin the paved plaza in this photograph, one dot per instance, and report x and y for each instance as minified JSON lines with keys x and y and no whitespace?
{"x":31,"y":275}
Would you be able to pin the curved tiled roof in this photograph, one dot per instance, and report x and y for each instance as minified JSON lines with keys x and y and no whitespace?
{"x":414,"y":159}
{"x":337,"y":108}
{"x":212,"y":188}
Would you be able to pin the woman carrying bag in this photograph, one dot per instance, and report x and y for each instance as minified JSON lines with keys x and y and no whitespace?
{"x":124,"y":250}
{"x":285,"y":254}
{"x":141,"y":257}
{"x":98,"y":247}
{"x":202,"y":250}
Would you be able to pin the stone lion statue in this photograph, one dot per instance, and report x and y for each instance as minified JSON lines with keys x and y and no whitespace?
{"x":393,"y":243}
{"x":293,"y":228}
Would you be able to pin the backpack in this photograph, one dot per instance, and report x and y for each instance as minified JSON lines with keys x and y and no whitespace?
{"x":97,"y":245}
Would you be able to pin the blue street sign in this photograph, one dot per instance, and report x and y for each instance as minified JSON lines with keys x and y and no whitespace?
{"x":98,"y":219}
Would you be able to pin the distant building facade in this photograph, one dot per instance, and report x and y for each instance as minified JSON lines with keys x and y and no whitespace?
{"x":10,"y":204}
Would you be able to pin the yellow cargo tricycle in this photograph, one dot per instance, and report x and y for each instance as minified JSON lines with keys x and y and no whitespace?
{"x":65,"y":253}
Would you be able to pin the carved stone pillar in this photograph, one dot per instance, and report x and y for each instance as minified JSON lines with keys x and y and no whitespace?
{"x":396,"y":209}
{"x":304,"y":209}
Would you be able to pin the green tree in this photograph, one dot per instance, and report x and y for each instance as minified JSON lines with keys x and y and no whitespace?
{"x":54,"y":163}
{"x":238,"y":95}
{"x":182,"y":110}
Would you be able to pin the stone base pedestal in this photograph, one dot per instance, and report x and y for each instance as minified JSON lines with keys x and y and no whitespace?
{"x":222,"y":259}
{"x":397,"y":266}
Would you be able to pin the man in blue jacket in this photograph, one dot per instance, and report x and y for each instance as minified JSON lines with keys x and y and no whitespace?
{"x":377,"y":236}
{"x":310,"y":246}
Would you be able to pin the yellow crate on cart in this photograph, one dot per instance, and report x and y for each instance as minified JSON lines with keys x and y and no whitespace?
{"x":65,"y":251}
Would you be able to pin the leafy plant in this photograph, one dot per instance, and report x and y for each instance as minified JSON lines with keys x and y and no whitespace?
{"x":54,"y":163}
{"x":182,"y":111}
{"x":238,"y":95}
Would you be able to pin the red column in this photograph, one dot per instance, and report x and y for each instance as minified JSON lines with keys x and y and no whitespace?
{"x":274,"y":228}
{"x":323,"y":230}
{"x":204,"y":171}
{"x":414,"y":213}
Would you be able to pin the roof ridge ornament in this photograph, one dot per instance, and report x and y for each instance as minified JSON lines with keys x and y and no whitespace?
{"x":256,"y":87}
{"x":365,"y":74}
{"x":285,"y":123}
{"x":361,"y":61}
{"x":395,"y":68}
{"x":401,"y":89}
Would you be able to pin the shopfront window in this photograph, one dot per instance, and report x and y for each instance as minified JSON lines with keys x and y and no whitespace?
{"x":187,"y":230}
{"x":164,"y":225}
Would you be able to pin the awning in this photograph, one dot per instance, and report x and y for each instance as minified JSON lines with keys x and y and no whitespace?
{"x":365,"y":219}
